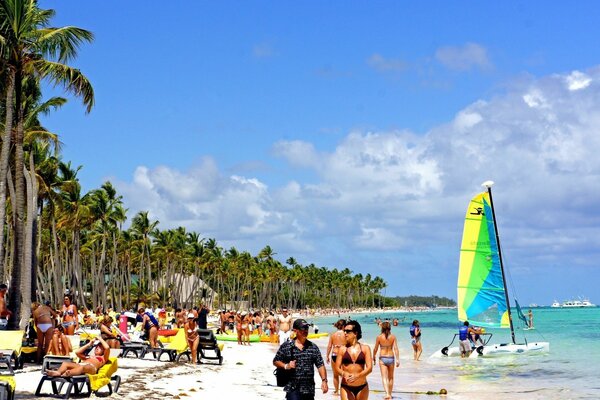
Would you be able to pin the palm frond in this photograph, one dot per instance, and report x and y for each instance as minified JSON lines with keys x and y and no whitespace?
{"x":71,"y":78}
{"x":62,"y":43}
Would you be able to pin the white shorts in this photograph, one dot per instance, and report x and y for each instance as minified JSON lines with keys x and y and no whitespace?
{"x":465,"y":346}
{"x":283,"y":336}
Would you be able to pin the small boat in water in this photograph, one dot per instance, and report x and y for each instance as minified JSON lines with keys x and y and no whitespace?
{"x":574,"y":304}
{"x":482,"y":291}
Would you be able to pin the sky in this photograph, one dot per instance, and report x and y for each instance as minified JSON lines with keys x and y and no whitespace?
{"x":351,"y":134}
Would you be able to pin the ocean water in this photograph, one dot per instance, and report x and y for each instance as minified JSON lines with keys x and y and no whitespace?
{"x":569,"y":371}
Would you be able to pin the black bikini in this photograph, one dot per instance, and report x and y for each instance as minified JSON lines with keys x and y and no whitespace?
{"x":347,"y":360}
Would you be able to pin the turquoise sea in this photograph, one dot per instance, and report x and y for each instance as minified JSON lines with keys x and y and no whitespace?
{"x":569,"y":371}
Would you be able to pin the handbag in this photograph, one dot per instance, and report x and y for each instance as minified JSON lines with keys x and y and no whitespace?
{"x":283,"y":376}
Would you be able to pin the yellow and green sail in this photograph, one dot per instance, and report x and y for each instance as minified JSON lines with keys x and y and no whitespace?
{"x":481,"y":292}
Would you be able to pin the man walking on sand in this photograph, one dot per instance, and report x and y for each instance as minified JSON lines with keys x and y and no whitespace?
{"x":300,"y":355}
{"x":285,"y":324}
{"x":5,"y":313}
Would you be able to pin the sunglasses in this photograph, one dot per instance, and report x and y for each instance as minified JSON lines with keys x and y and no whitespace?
{"x":348,"y":331}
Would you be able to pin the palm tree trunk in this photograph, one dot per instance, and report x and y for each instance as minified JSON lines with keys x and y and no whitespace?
{"x":21,"y":298}
{"x":4,"y":158}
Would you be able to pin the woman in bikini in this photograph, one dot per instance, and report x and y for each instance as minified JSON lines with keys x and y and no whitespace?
{"x":191,"y":336}
{"x":415,"y":339}
{"x":109,"y":334}
{"x":246,"y":324}
{"x":43,"y":318}
{"x":150,"y":326}
{"x":388,"y":357}
{"x":60,"y":345}
{"x":353,"y":364}
{"x":89,"y":364}
{"x":336,"y":340}
{"x":70,"y":319}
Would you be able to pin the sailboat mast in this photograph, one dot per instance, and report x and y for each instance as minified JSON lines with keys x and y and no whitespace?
{"x":488,"y":185}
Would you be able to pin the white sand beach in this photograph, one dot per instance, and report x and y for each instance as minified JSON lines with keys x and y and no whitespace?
{"x":247,"y":371}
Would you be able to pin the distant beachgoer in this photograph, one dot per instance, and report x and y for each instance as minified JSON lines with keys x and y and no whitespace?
{"x":192,"y":336}
{"x":5,"y":313}
{"x":464,"y":333}
{"x":180,"y":318}
{"x":285,"y":325}
{"x":246,"y":323}
{"x":302,"y":356}
{"x":150,"y":326}
{"x":238,"y":327}
{"x":89,"y":364}
{"x":530,"y":315}
{"x":272,"y":326}
{"x":60,"y":345}
{"x":354,"y":363}
{"x":70,"y":317}
{"x":110,"y":335}
{"x":415,"y":334}
{"x":203,"y":317}
{"x":390,"y":356}
{"x":395,"y":322}
{"x":258,"y":322}
{"x":43,"y":318}
{"x":336,"y":340}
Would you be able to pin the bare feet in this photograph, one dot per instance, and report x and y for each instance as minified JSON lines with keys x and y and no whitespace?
{"x":51,"y":372}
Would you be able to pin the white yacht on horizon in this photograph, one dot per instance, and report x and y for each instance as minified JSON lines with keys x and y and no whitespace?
{"x":573,"y":304}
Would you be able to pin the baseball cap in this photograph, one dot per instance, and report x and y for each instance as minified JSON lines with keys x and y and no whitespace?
{"x":300,"y":324}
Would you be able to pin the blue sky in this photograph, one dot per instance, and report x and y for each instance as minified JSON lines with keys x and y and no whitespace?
{"x":351,"y":134}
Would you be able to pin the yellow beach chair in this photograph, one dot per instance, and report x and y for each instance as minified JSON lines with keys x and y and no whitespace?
{"x":174,"y":349}
{"x":7,"y":387}
{"x":84,"y":385}
{"x":11,"y":343}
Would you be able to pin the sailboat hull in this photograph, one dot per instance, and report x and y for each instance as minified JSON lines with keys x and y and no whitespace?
{"x":497,"y":350}
{"x":511,"y":349}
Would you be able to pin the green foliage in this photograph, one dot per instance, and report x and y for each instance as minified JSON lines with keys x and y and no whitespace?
{"x":423,"y":301}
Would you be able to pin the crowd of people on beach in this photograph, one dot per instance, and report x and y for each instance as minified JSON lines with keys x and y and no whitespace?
{"x":350,"y":359}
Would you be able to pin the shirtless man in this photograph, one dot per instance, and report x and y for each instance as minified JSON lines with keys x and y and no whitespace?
{"x":5,"y":313}
{"x":272,"y":327}
{"x":285,"y":325}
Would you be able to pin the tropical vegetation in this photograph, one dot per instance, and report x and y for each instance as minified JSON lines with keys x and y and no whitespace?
{"x":57,"y":238}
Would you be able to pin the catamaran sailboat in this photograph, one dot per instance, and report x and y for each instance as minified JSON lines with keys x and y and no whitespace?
{"x":482,"y":292}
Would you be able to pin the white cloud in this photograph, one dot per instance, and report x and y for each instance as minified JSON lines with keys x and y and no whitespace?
{"x":464,"y":58}
{"x":577,"y":80}
{"x":390,"y":195}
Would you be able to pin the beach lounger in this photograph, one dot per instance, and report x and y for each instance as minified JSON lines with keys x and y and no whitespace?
{"x":138,"y":349}
{"x":83,"y":385}
{"x":177,"y":347}
{"x":7,"y":387}
{"x":208,"y":342}
{"x":11,"y":343}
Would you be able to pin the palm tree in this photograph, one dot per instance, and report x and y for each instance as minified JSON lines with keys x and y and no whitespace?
{"x":29,"y":46}
{"x":142,"y":226}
